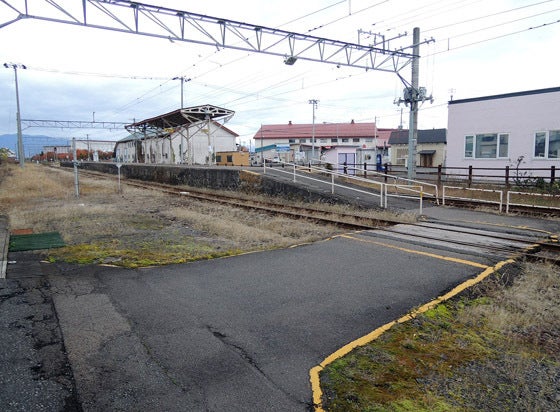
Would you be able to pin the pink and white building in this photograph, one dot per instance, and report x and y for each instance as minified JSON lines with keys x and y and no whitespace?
{"x":516,"y":129}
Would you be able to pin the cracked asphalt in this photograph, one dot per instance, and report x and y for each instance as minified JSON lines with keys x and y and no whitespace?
{"x":236,"y":334}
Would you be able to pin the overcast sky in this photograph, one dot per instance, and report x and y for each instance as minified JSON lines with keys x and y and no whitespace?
{"x":481,"y":48}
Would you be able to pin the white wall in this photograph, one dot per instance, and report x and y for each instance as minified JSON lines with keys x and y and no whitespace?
{"x":519,"y":116}
{"x":196,"y":150}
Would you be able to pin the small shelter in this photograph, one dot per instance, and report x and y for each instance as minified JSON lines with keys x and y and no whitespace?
{"x":191,"y":135}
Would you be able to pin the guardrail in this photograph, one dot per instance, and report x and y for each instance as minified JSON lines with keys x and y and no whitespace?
{"x":407,"y":188}
{"x":333,"y":175}
{"x":541,"y":195}
{"x":394,"y":178}
{"x":471,"y":199}
{"x":383,"y":188}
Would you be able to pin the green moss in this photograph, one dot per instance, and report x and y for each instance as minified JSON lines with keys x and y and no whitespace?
{"x":410,"y":351}
{"x":154,"y":253}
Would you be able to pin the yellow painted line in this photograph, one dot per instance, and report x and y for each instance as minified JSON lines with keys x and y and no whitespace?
{"x":418,"y":252}
{"x":316,"y":370}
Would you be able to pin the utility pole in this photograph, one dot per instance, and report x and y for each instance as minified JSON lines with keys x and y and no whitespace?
{"x":314,"y":103}
{"x":75,"y":161}
{"x":412,"y":95}
{"x":21,"y":153}
{"x":413,"y":122}
{"x":183,"y":81}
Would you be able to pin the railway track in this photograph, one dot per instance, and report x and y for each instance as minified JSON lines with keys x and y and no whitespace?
{"x":347,"y":220}
{"x":432,"y":234}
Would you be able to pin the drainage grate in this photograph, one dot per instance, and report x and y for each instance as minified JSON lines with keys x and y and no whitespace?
{"x":35,"y":241}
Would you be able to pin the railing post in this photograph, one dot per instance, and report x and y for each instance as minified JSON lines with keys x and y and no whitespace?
{"x":552,"y":174}
{"x":365,"y":170}
{"x":507,"y":177}
{"x":469,"y":181}
{"x":439,"y":175}
{"x":345,"y":168}
{"x":386,"y":171}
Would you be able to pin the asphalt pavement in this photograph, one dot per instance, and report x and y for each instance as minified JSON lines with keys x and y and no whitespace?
{"x":238,"y":333}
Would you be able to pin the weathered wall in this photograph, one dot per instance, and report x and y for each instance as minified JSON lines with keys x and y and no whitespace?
{"x":214,"y":178}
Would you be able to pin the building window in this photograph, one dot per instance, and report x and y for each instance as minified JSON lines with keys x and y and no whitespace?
{"x":229,"y":158}
{"x":323,"y":140}
{"x":402,"y":156}
{"x":356,"y":140}
{"x":487,"y":146}
{"x":503,"y":149}
{"x":540,"y":144}
{"x":291,"y":140}
{"x":218,"y":158}
{"x":369,"y":140}
{"x":345,"y":140}
{"x":469,"y":144}
{"x":554,"y":144}
{"x":547,"y":144}
{"x":334,"y":140}
{"x":302,"y":140}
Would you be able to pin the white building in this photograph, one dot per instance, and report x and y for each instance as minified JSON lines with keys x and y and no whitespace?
{"x":516,"y":129}
{"x":185,"y":136}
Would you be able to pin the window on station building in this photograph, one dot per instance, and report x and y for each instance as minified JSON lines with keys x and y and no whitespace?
{"x":291,"y":140}
{"x":334,"y":140}
{"x":547,"y":144}
{"x":218,"y":158}
{"x":302,"y":140}
{"x":229,"y":158}
{"x":356,"y":140}
{"x":345,"y":140}
{"x":323,"y":140}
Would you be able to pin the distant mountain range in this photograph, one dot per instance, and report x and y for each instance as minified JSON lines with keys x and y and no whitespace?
{"x":32,"y":144}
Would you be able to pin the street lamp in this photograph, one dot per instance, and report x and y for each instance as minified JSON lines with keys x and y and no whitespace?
{"x":21,"y":154}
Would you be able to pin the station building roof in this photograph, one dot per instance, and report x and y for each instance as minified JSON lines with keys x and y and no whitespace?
{"x":181,"y":117}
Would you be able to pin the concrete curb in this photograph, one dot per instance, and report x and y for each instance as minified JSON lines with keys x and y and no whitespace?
{"x":4,"y":243}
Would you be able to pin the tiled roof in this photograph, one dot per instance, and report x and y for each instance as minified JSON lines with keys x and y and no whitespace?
{"x":322,"y":130}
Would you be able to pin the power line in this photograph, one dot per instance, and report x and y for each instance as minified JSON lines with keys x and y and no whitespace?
{"x":490,"y":15}
{"x":497,"y":37}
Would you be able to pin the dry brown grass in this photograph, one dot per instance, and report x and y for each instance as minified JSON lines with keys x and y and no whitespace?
{"x":127,"y":228}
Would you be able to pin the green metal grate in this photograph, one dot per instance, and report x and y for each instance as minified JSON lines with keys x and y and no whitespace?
{"x":36,"y":241}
